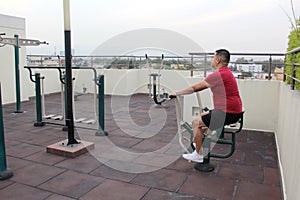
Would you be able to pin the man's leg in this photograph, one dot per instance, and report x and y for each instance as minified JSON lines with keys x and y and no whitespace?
{"x":198,"y":130}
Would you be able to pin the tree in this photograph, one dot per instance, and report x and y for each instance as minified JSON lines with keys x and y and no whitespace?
{"x":294,"y":42}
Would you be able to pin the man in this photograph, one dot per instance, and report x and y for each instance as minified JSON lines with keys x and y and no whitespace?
{"x":226,"y":100}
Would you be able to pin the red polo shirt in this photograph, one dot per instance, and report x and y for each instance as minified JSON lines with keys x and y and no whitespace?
{"x":225,"y":91}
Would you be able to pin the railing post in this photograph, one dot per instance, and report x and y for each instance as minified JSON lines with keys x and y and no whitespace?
{"x":205,"y":63}
{"x":270,"y":68}
{"x":284,"y":70}
{"x":192,"y":66}
{"x":4,"y":172}
{"x":101,"y":131}
{"x":293,"y":72}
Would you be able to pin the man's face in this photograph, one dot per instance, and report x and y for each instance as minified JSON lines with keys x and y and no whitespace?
{"x":215,"y":61}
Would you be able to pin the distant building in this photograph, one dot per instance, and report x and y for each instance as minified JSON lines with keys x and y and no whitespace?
{"x":249,"y":67}
{"x":279,"y":73}
{"x":255,"y":69}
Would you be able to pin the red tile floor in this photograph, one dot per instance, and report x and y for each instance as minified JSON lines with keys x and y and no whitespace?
{"x":136,"y":126}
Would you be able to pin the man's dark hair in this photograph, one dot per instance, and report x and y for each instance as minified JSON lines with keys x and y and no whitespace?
{"x":224,"y":55}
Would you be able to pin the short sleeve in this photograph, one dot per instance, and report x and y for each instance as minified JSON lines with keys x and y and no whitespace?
{"x":213,"y":79}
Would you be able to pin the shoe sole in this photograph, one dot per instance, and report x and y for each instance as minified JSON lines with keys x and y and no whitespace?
{"x":198,"y":161}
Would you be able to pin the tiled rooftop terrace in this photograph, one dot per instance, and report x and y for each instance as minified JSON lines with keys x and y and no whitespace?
{"x":251,"y":173}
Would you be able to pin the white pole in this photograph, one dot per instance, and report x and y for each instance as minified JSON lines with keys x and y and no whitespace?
{"x":67,"y":23}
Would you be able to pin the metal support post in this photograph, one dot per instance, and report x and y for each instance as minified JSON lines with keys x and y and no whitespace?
{"x":192,"y":66}
{"x":270,"y":68}
{"x":17,"y":43}
{"x":69,"y":87}
{"x":17,"y":74}
{"x":4,"y":172}
{"x":206,"y":166}
{"x":205,"y":64}
{"x":293,"y":72}
{"x":101,"y":131}
{"x":38,"y":103}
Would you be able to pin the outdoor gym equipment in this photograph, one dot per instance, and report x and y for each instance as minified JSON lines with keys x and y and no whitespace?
{"x":61,"y":116}
{"x":84,"y":119}
{"x":4,"y":172}
{"x":99,"y":81}
{"x":62,"y":100}
{"x":154,"y":83}
{"x":212,"y":136}
{"x":17,"y":43}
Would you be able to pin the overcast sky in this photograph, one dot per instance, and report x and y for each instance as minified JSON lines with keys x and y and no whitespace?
{"x":238,"y":25}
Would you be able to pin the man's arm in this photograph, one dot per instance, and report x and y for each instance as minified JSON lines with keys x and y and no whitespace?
{"x":194,"y":88}
{"x":202,"y":85}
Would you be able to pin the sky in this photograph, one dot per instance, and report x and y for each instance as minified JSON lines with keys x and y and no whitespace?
{"x":238,"y":25}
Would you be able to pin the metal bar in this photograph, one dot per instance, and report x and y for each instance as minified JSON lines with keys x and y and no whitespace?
{"x":293,"y":72}
{"x":38,"y":103}
{"x":4,"y":172}
{"x":101,"y":109}
{"x":30,"y":75}
{"x":231,"y":143}
{"x":294,"y":50}
{"x":69,"y":90}
{"x":237,"y":54}
{"x":298,"y":80}
{"x":206,"y":145}
{"x":30,"y":42}
{"x":17,"y":76}
{"x":68,"y":66}
{"x":59,"y":68}
{"x":270,"y":68}
{"x":2,"y":141}
{"x":205,"y":64}
{"x":189,"y":128}
{"x":154,"y":75}
{"x":192,"y":66}
{"x":63,"y":125}
{"x":101,"y":102}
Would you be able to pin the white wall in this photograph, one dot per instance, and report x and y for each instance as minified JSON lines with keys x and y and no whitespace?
{"x":260,"y":102}
{"x":12,"y":26}
{"x":288,"y":139}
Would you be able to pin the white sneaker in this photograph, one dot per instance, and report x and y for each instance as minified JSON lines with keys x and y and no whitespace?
{"x":193,"y":157}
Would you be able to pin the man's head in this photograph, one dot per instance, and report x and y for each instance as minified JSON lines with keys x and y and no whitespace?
{"x":221,"y":58}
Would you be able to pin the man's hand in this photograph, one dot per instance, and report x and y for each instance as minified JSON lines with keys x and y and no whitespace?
{"x":172,"y":95}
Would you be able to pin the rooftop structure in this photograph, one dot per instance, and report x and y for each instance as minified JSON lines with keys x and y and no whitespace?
{"x":252,"y":172}
{"x":264,"y":165}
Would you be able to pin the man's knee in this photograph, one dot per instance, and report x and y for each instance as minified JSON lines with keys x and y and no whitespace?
{"x":198,"y":122}
{"x":195,"y":122}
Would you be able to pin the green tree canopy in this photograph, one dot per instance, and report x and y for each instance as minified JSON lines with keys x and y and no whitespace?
{"x":294,"y":42}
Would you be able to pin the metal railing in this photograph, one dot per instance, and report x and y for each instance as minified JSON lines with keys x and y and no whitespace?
{"x":294,"y":66}
{"x":196,"y":62}
{"x":108,"y":61}
{"x":261,"y":59}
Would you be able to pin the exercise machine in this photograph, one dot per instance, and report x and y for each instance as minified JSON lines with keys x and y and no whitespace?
{"x":98,"y":81}
{"x":210,"y":138}
{"x":154,"y":83}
